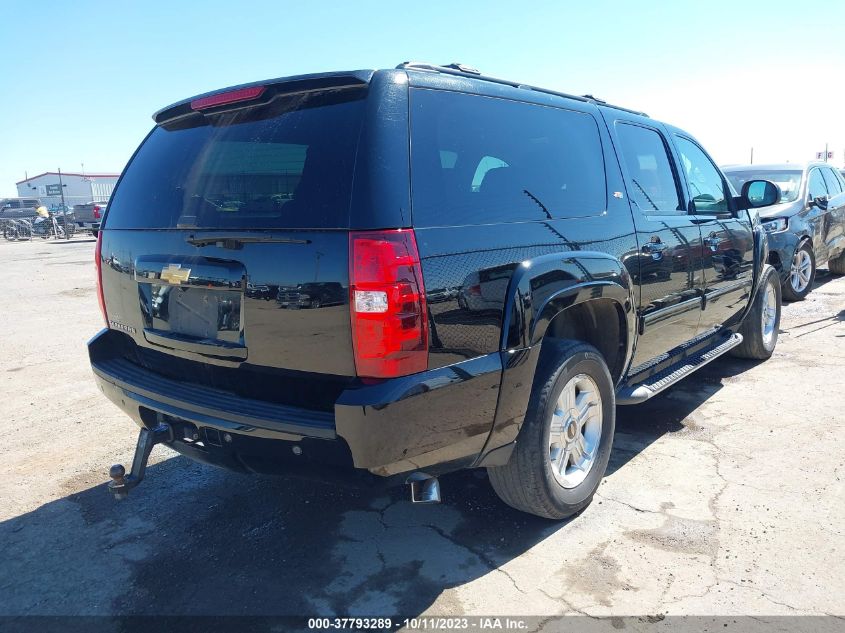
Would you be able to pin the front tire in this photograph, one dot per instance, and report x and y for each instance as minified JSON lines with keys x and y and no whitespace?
{"x":760,"y":328}
{"x":564,"y":445}
{"x":836,"y":266}
{"x":802,"y":272}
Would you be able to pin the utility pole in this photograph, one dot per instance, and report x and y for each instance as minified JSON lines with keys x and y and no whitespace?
{"x":752,"y":155}
{"x":62,"y":190}
{"x":825,"y":152}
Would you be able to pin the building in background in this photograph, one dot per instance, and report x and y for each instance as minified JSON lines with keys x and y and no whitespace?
{"x":74,"y":188}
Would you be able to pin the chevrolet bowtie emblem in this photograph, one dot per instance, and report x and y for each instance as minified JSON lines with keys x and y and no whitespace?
{"x":175,"y":274}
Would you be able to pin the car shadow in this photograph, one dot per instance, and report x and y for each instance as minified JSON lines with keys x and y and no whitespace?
{"x":196,"y":540}
{"x":639,"y":426}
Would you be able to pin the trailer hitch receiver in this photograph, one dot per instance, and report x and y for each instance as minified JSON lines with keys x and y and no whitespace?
{"x":121,"y":483}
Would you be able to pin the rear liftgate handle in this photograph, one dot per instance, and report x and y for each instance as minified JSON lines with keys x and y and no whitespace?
{"x":121,"y":483}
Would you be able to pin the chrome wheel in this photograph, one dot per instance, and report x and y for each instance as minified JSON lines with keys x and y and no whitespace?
{"x":769,"y":315}
{"x":575,"y":431}
{"x":801,"y":271}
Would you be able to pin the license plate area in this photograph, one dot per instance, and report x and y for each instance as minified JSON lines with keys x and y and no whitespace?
{"x":196,"y":312}
{"x":193,"y":304}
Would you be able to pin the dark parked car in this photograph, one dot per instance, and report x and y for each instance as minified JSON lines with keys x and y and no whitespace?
{"x":806,"y":229}
{"x":18,"y":208}
{"x":526,"y":212}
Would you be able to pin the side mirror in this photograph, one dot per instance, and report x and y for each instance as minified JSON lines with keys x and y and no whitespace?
{"x":759,"y":193}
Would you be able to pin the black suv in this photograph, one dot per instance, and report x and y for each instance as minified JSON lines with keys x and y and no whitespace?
{"x":515,"y":262}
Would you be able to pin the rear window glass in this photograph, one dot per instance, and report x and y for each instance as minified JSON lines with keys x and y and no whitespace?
{"x":479,"y":160}
{"x":287,"y":164}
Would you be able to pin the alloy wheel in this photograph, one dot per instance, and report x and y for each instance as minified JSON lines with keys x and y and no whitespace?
{"x":769,"y":314}
{"x":801,"y":270}
{"x":575,"y":431}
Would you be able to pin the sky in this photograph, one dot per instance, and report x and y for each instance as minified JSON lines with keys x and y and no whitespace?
{"x":81,"y":79}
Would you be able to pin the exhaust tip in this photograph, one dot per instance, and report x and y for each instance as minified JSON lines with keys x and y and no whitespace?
{"x":424,"y":489}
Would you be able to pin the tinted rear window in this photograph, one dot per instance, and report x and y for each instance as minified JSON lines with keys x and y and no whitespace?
{"x":287,"y":164}
{"x":479,"y":160}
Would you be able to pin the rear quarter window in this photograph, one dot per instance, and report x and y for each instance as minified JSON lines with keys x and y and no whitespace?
{"x":286,"y":164}
{"x":481,"y":160}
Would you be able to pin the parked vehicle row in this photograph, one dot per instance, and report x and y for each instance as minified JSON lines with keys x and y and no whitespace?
{"x":85,"y":216}
{"x":806,"y":228}
{"x":490,"y":269}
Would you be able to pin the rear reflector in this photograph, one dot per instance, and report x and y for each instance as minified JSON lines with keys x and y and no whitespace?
{"x":98,"y":262}
{"x":387,"y":304}
{"x":224,"y":98}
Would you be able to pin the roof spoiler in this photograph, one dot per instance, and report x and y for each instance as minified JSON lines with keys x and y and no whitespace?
{"x":260,"y":92}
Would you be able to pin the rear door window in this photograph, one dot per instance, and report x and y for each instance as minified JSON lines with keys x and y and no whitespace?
{"x":653,"y":186}
{"x":832,"y":182}
{"x":481,"y":160}
{"x":287,"y":164}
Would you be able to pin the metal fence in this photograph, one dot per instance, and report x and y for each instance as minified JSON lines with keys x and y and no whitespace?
{"x":23,"y":229}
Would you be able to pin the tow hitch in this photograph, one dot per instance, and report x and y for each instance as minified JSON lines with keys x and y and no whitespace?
{"x":121,"y":483}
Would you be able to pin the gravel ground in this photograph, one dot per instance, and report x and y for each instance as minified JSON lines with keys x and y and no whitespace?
{"x":724,"y":496}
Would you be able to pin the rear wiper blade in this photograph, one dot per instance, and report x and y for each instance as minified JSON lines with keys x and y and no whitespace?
{"x":235,"y":242}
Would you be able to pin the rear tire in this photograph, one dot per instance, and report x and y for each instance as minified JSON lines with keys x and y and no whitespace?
{"x":760,"y":328}
{"x":802,"y":273}
{"x":539,"y":478}
{"x":94,"y":233}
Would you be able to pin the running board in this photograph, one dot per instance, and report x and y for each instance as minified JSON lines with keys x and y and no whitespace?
{"x":640,"y":392}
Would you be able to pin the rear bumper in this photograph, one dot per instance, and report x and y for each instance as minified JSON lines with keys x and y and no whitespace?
{"x":435,"y":421}
{"x":91,"y":226}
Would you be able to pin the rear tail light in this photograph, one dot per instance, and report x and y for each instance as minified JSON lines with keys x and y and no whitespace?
{"x":96,"y":212}
{"x":98,"y":261}
{"x":387,"y":304}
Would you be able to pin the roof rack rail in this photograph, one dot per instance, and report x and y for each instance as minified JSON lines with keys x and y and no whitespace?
{"x":467,"y":71}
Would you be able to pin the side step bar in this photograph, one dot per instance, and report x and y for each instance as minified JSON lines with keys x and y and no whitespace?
{"x":640,"y":392}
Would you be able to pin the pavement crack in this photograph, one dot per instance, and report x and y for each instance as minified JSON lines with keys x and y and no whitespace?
{"x":491,"y":564}
{"x":565,"y":602}
{"x":633,"y":507}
